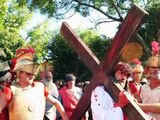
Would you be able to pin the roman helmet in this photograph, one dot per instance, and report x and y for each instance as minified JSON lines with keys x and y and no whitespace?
{"x":4,"y":76}
{"x":26,"y":52}
{"x":137,"y":67}
{"x":25,"y":65}
{"x":154,"y":60}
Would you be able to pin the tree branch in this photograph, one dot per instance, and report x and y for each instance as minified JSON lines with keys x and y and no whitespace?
{"x":116,"y":8}
{"x":99,"y":10}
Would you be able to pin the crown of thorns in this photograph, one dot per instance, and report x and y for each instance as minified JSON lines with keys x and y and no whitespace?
{"x":124,"y":68}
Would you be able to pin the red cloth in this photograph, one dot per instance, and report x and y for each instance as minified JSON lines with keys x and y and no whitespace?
{"x":125,"y":116}
{"x":69,"y":100}
{"x":133,"y":87}
{"x":123,"y":98}
{"x":46,"y":91}
{"x":5,"y":114}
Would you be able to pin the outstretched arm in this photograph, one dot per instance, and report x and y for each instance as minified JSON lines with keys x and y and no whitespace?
{"x":150,"y":107}
{"x":4,"y":98}
{"x":58,"y":106}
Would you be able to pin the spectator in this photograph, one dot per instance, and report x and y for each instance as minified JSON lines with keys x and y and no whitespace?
{"x":59,"y":84}
{"x":50,"y":110}
{"x":70,"y":94}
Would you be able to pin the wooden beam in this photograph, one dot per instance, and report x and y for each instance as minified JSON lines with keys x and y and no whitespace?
{"x":127,"y":31}
{"x":80,"y":47}
{"x":102,"y":71}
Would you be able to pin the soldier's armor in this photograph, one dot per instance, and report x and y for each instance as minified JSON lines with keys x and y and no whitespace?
{"x":27,"y":103}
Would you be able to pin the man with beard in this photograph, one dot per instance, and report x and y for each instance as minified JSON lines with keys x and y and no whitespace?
{"x":150,"y":93}
{"x":47,"y":79}
{"x":102,"y":105}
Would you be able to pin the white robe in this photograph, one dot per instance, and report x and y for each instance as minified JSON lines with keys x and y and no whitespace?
{"x":102,"y":106}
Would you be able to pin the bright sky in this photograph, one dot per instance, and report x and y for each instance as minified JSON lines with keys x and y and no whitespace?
{"x":75,"y":22}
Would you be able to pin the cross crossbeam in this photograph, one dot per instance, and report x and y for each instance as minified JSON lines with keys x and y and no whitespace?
{"x":102,"y":70}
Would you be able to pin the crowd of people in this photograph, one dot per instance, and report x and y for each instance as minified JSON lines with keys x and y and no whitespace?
{"x":26,"y":98}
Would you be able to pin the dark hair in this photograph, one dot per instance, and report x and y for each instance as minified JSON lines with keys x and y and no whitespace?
{"x":69,"y":77}
{"x":124,"y":68}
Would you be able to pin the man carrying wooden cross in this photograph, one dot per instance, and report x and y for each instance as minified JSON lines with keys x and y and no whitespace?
{"x":102,"y":105}
{"x":102,"y":71}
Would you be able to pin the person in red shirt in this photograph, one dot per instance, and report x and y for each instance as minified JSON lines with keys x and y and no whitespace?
{"x":70,"y":95}
{"x":4,"y":77}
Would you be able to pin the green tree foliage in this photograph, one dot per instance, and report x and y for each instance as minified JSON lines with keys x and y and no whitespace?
{"x":13,"y":18}
{"x":98,"y":44}
{"x":152,"y":26}
{"x":112,"y":10}
{"x":39,"y":39}
{"x":106,"y":11}
{"x":66,"y":60}
{"x":3,"y":9}
{"x":46,"y":6}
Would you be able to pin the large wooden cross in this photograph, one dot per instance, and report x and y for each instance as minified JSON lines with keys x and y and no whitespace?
{"x":102,"y":70}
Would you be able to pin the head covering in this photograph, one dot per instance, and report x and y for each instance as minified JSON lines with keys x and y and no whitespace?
{"x":25,"y":65}
{"x":124,"y":68}
{"x":69,"y":77}
{"x":137,"y":67}
{"x":154,"y":60}
{"x":24,"y":60}
{"x":4,"y":75}
{"x":26,"y":52}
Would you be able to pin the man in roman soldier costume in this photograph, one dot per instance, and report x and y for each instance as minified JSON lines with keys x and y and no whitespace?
{"x":135,"y":84}
{"x":26,"y":97}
